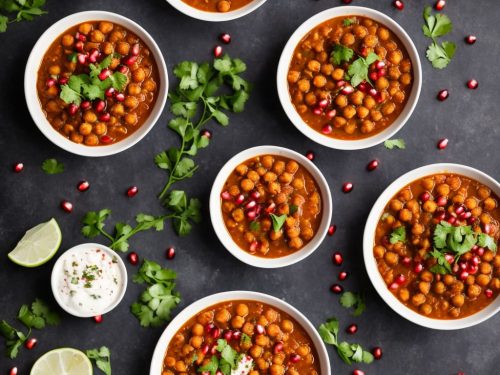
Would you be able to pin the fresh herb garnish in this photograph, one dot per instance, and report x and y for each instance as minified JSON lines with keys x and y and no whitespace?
{"x":226,"y":363}
{"x":25,"y":10}
{"x":254,"y":226}
{"x":341,"y":54}
{"x":355,"y":300}
{"x":52,"y":166}
{"x":293,"y":209}
{"x":437,"y":25}
{"x":245,"y":339}
{"x":277,"y":221}
{"x":90,"y":86}
{"x":101,"y":357}
{"x":395,"y":143}
{"x":156,"y":303}
{"x":358,"y":70}
{"x":13,"y":339}
{"x":349,"y":21}
{"x":398,"y":235}
{"x":347,"y":352}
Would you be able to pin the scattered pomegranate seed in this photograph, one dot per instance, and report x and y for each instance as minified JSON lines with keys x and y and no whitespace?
{"x":418,"y":268}
{"x":133,"y":258}
{"x":105,"y":73}
{"x":352,"y":329}
{"x":439,"y":5}
{"x":13,"y":371}
{"x":225,"y":38}
{"x":488,"y":293}
{"x":228,"y":335}
{"x":346,"y":1}
{"x":326,"y":129}
{"x":215,"y":333}
{"x":425,"y":196}
{"x":372,"y":165}
{"x":62,"y":80}
{"x":331,"y":114}
{"x":337,"y":258}
{"x":347,"y":187}
{"x":278,"y":348}
{"x":346,"y":90}
{"x":217,"y":51}
{"x":30,"y":343}
{"x":83,"y":186}
{"x":358,"y":372}
{"x":119,"y":96}
{"x":206,"y":133}
{"x":18,"y":167}
{"x":332,"y":229}
{"x":470,"y":39}
{"x":85,"y":105}
{"x":377,"y":352}
{"x":294,"y":358}
{"x":398,"y":4}
{"x":400,"y":279}
{"x":79,"y":46}
{"x":239,"y":199}
{"x":129,"y":60}
{"x":472,"y":84}
{"x":443,"y":95}
{"x":100,"y":106}
{"x":97,"y":319}
{"x":442,"y":143}
{"x":122,"y":69}
{"x":170,"y":253}
{"x":105,"y":117}
{"x":66,"y":206}
{"x":343,"y":275}
{"x":460,"y":373}
{"x":80,"y":37}
{"x":336,"y":288}
{"x":82,"y":59}
{"x":132,"y":191}
{"x":72,"y":109}
{"x":310,"y":155}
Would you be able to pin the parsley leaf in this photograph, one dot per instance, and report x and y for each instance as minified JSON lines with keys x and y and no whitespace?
{"x":398,"y":235}
{"x":356,"y":300}
{"x":101,"y":357}
{"x":25,"y":10}
{"x":341,"y":54}
{"x":52,"y":166}
{"x":395,"y":143}
{"x":358,"y":70}
{"x":277,"y":221}
{"x":437,"y":25}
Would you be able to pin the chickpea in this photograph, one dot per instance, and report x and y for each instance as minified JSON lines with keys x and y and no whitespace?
{"x":149,"y":85}
{"x":273,"y":330}
{"x":271,"y":315}
{"x":349,"y":112}
{"x":341,"y":101}
{"x":376,"y":115}
{"x":394,"y":72}
{"x":356,"y":98}
{"x":319,"y":81}
{"x":405,"y":215}
{"x":85,"y":129}
{"x":388,"y":108}
{"x":424,"y":287}
{"x":54,"y":70}
{"x":383,"y":33}
{"x":131,"y":102}
{"x":262,"y":364}
{"x":52,"y":92}
{"x":310,"y":99}
{"x":370,"y":41}
{"x":458,"y":300}
{"x":270,"y":177}
{"x":483,"y":280}
{"x":292,"y":166}
{"x":237,"y":322}
{"x":248,"y":328}
{"x":369,"y":102}
{"x":395,"y":57}
{"x":360,"y":31}
{"x":256,"y":351}
{"x":448,"y":280}
{"x":67,"y":129}
{"x":485,"y":218}
{"x":123,"y":48}
{"x":406,"y":66}
{"x":391,"y":258}
{"x":197,"y":329}
{"x":277,"y":369}
{"x":426,"y":309}
{"x":274,"y":187}
{"x":327,"y":69}
{"x":96,"y":36}
{"x":100,"y":128}
{"x":378,"y":251}
{"x":417,"y":228}
{"x":382,"y":83}
{"x":307,"y":233}
{"x":242,"y":309}
{"x":426,"y":276}
{"x":348,"y":39}
{"x":418,"y":299}
{"x":362,"y":112}
{"x":196,"y":341}
{"x":338,"y":74}
{"x":314,"y":66}
{"x":489,"y":204}
{"x":405,"y":79}
{"x":367,"y":126}
{"x":223,"y":315}
{"x":404,"y":294}
{"x":91,"y":140}
{"x":293,"y":76}
{"x":439,"y":287}
{"x":180,"y":366}
{"x":253,"y":176}
{"x":485,"y":268}
{"x":67,"y":40}
{"x":483,"y":192}
{"x":429,"y":206}
{"x":304,"y":85}
{"x":399,"y":97}
{"x":223,"y":6}
{"x":117,"y":109}
{"x":279,"y":167}
{"x":85,"y":28}
{"x":286,"y":178}
{"x":351,"y":127}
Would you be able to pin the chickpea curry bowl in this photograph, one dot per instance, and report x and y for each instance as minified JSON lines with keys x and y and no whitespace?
{"x":101,"y":83}
{"x":349,"y":77}
{"x":216,"y":10}
{"x":435,"y":243}
{"x":270,"y":206}
{"x":244,"y":333}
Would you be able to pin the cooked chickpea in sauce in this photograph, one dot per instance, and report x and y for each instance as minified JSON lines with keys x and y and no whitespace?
{"x":221,"y":6}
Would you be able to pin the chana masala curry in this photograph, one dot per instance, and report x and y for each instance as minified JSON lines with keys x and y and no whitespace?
{"x":271,"y":206}
{"x":350,"y":78}
{"x":97,"y":83}
{"x":241,"y":337}
{"x":221,"y":6}
{"x":436,"y":246}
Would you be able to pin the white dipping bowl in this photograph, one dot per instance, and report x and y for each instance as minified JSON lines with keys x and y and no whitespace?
{"x":193,"y":12}
{"x":214,"y":299}
{"x":57,"y":270}
{"x":218,"y":220}
{"x":286,"y":58}
{"x":369,"y":240}
{"x":31,"y":76}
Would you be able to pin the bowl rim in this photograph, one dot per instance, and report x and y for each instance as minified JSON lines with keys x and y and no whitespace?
{"x":31,"y":76}
{"x":368,"y":241}
{"x":202,"y":15}
{"x":214,"y":299}
{"x":286,"y":57}
{"x":220,"y":227}
{"x":56,"y":271}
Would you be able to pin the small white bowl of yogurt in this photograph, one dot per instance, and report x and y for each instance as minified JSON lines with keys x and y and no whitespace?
{"x":89,"y":280}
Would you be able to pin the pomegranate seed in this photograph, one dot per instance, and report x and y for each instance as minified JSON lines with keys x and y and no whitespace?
{"x":352,"y":329}
{"x":394,"y":286}
{"x":462,"y":265}
{"x":135,"y":49}
{"x":463,"y":275}
{"x":97,"y":319}
{"x":398,"y":4}
{"x":472,"y":84}
{"x":209,"y":327}
{"x":373,"y":92}
{"x":442,"y":143}
{"x":337,"y":258}
{"x":270,"y":209}
{"x":326,"y":129}
{"x":79,"y":46}
{"x":255,"y":194}
{"x":418,"y":267}
{"x":82,"y":58}
{"x":439,"y":4}
{"x":225,"y":38}
{"x":133,"y":258}
{"x":129,"y":60}
{"x":62,"y":80}
{"x":406,"y":261}
{"x":425,"y":196}
{"x":18,"y":167}
{"x":346,"y":1}
{"x":336,"y":288}
{"x":225,"y":195}
{"x":239,"y":199}
{"x":110,"y":92}
{"x":132,"y":191}
{"x":119,"y":96}
{"x":83,"y":186}
{"x":50,"y":82}
{"x":217,"y":51}
{"x":449,"y":258}
{"x":443,"y":95}
{"x":13,"y":371}
{"x":30,"y":343}
{"x":470,"y":39}
{"x":94,"y":55}
{"x":122,"y":69}
{"x":480,"y":251}
{"x":331,"y":114}
{"x":382,"y":73}
{"x":85,"y":105}
{"x":317,"y":111}
{"x":459,"y":210}
{"x":364,"y":51}
{"x":72,"y":109}
{"x":170,"y":253}
{"x":343,"y":275}
{"x":237,"y":335}
{"x":442,"y":201}
{"x":206,"y":133}
{"x":373,"y":76}
{"x":67,"y":206}
{"x":358,"y":372}
{"x":278,"y":348}
{"x":215,"y":333}
{"x":363,"y":87}
{"x":372,"y":165}
{"x":341,"y":83}
{"x":254,"y":246}
{"x":260,"y":329}
{"x":379,"y":65}
{"x":323,"y":103}
{"x":347,"y":187}
{"x":100,"y":105}
{"x":332,"y":229}
{"x":377,"y":352}
{"x":294,"y":358}
{"x":488,"y":293}
{"x":105,"y":73}
{"x":452,"y":220}
{"x":80,"y":37}
{"x":487,"y":228}
{"x":346,"y":90}
{"x":105,"y":117}
{"x":400,"y":279}
{"x":251,"y":215}
{"x":250,"y":205}
{"x":228,"y":335}
{"x":310,"y":155}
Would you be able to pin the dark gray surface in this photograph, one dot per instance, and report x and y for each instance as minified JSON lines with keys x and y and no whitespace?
{"x":468,"y":118}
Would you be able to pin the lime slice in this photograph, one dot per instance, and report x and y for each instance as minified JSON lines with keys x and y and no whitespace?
{"x":63,"y":361}
{"x":38,"y":245}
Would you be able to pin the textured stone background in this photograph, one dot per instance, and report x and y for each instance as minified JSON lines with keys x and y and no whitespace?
{"x":468,"y":118}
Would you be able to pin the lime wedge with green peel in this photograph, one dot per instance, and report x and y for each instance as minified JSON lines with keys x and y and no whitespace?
{"x":63,"y":361}
{"x":38,"y":245}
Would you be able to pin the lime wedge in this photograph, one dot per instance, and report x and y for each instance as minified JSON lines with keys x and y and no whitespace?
{"x":38,"y":245}
{"x":63,"y":361}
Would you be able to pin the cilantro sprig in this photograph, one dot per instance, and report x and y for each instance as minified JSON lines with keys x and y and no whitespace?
{"x":227,"y":362}
{"x":102,"y":358}
{"x":438,"y":25}
{"x":24,"y":10}
{"x":353,"y":300}
{"x":349,"y":353}
{"x":52,"y":166}
{"x":358,"y":70}
{"x":156,"y":303}
{"x":395,"y":143}
{"x":398,"y":235}
{"x":341,"y":54}
{"x":277,"y":221}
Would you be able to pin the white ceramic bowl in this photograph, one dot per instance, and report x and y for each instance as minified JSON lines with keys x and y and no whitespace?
{"x":198,"y":306}
{"x":286,"y":58}
{"x":218,"y":220}
{"x":57,"y":271}
{"x":190,"y":11}
{"x":31,"y":75}
{"x":369,"y":240}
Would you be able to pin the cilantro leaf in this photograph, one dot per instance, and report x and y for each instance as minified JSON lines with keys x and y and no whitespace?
{"x":484,"y":240}
{"x":349,"y":21}
{"x":41,"y":309}
{"x":356,"y":300}
{"x":436,"y":25}
{"x":68,"y":95}
{"x":440,"y":55}
{"x":254,"y":226}
{"x":52,"y":166}
{"x":341,"y":54}
{"x":277,"y":221}
{"x":211,"y":366}
{"x":101,"y":357}
{"x":395,"y":143}
{"x":358,"y":70}
{"x":13,"y":339}
{"x":329,"y":331}
{"x":25,"y":10}
{"x":398,"y":235}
